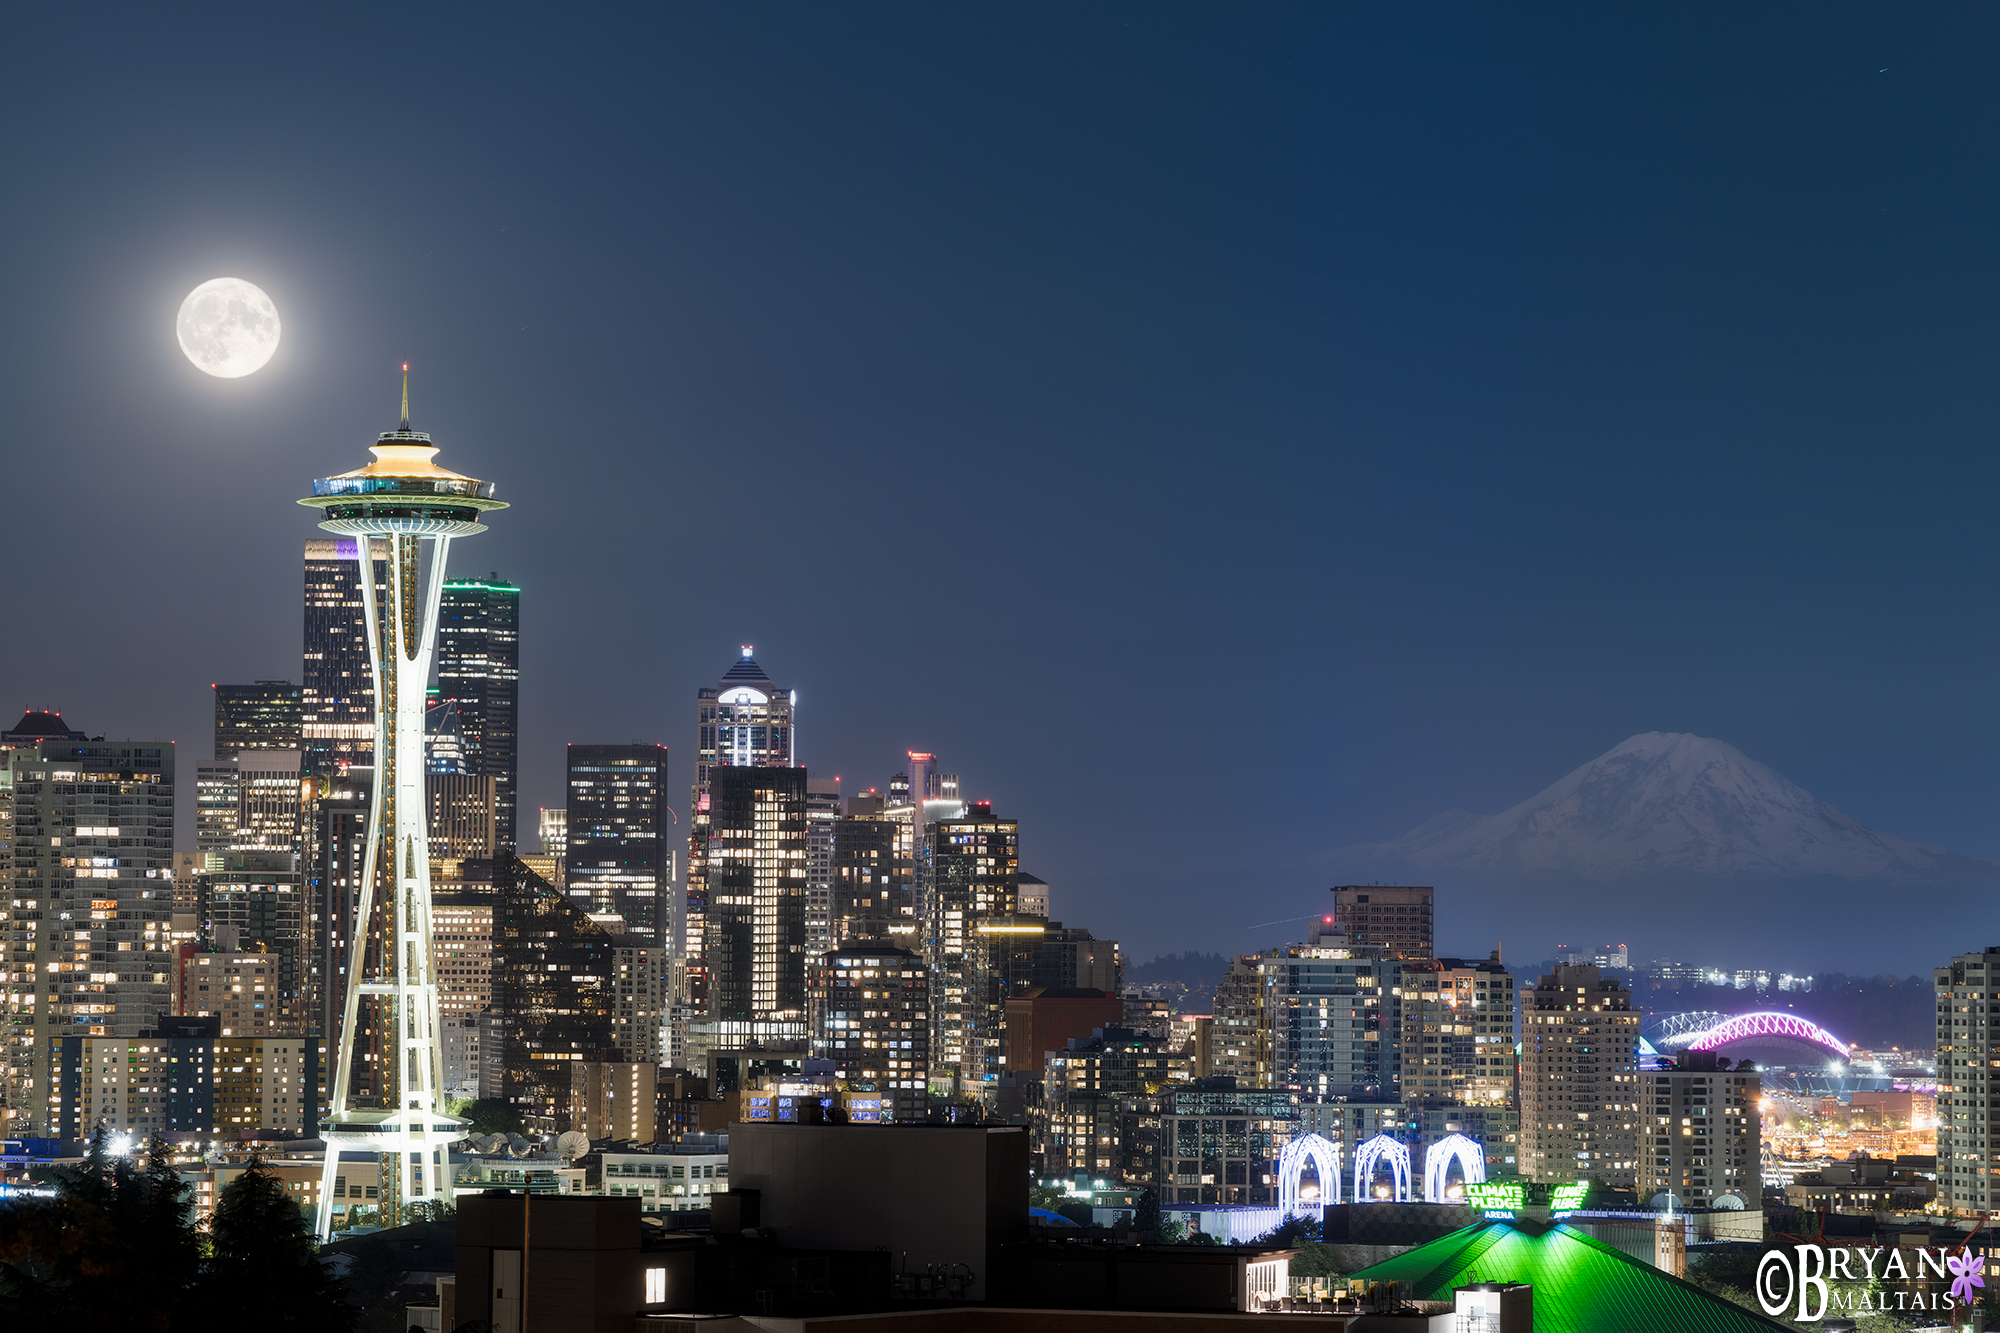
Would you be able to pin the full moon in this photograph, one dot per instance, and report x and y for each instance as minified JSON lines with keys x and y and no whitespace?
{"x":228,"y":327}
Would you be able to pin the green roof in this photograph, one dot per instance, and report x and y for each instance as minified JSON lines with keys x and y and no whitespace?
{"x":1581,"y":1284}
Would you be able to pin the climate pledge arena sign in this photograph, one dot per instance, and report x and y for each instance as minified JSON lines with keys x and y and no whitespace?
{"x":1803,"y":1281}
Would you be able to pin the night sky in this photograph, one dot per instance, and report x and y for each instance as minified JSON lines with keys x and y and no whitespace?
{"x":1222,"y":433}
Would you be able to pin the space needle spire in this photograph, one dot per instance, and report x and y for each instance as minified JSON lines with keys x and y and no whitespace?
{"x":402,"y":509}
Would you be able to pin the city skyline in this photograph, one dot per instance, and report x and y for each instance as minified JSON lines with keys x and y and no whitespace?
{"x":1487,"y":498}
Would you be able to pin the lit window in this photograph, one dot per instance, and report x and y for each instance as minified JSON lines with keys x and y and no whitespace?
{"x":656,"y":1286}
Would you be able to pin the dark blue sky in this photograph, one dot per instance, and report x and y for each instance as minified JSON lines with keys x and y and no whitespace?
{"x":1222,"y":433}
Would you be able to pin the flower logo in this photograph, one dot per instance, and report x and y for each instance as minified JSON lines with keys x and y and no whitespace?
{"x":1965,"y":1275}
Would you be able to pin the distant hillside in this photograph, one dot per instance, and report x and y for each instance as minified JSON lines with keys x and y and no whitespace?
{"x":1186,"y":981}
{"x":1194,"y":970}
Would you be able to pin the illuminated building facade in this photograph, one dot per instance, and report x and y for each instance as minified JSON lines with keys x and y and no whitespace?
{"x":334,"y":824}
{"x":1457,"y":1032}
{"x":871,"y":901}
{"x":1580,"y":1080}
{"x":406,"y":508}
{"x":1220,"y":1145}
{"x":1329,"y":1019}
{"x":87,"y":951}
{"x":871,"y":1018}
{"x":823,"y":809}
{"x":256,"y":901}
{"x":614,"y":1099}
{"x":462,"y":815}
{"x":744,"y":721}
{"x":1701,"y":1134}
{"x":619,"y":860}
{"x":757,"y":854}
{"x":264,"y":716}
{"x":218,"y":791}
{"x":1968,"y":1071}
{"x":159,"y":1081}
{"x":479,"y":671}
{"x":969,"y":867}
{"x":242,"y":989}
{"x":555,"y":993}
{"x":1395,"y":918}
{"x":268,"y":792}
{"x":337,"y":690}
{"x":554,"y":830}
{"x":1087,"y":1090}
{"x":462,"y":941}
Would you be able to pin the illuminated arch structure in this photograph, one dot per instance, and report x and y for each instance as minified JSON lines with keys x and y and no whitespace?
{"x":1762,"y":1028}
{"x":1437,"y":1165}
{"x":1325,"y":1157}
{"x":1368,"y":1156}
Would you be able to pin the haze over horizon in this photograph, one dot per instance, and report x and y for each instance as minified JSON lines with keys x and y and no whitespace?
{"x":1222,"y":438}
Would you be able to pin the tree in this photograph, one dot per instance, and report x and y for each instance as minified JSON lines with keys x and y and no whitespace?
{"x":265,"y":1271}
{"x":116,"y":1249}
{"x":1147,"y":1216}
{"x":492,"y":1115}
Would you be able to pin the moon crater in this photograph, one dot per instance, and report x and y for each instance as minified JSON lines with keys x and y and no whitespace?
{"x":228,"y":327}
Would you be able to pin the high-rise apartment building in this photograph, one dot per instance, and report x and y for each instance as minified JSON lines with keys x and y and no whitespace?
{"x":1088,"y":1088}
{"x":968,"y":879}
{"x":337,"y":690}
{"x":618,"y":858}
{"x":1968,"y":1071}
{"x":256,"y":901}
{"x":757,"y":854}
{"x":242,"y":989}
{"x":1396,"y":918}
{"x":1332,"y":1016}
{"x":93,"y":837}
{"x":1456,"y":1052}
{"x":1457,"y":1033}
{"x":462,"y":943}
{"x":823,"y":809}
{"x":1701,"y":1133}
{"x":870,"y":902}
{"x":479,"y":670}
{"x":744,"y":721}
{"x":871,"y":1017}
{"x":1580,"y":1080}
{"x":263,"y":716}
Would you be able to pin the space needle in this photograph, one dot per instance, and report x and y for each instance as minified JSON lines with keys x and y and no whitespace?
{"x":405,"y":502}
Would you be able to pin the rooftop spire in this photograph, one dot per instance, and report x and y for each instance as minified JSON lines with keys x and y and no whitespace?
{"x":406,"y":396}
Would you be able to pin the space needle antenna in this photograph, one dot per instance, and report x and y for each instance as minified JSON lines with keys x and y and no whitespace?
{"x":406,"y":395}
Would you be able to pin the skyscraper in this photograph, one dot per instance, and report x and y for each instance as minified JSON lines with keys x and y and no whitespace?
{"x":742,"y":720}
{"x":1579,"y":1079}
{"x":969,"y":865}
{"x":556,"y":978}
{"x":1722,"y":1154}
{"x":407,"y":507}
{"x":619,"y":859}
{"x":822,"y":812}
{"x":870,"y":1008}
{"x":1968,"y":1072}
{"x":93,"y":850}
{"x":263,"y":716}
{"x":757,"y":860}
{"x":479,"y":669}
{"x":337,"y":693}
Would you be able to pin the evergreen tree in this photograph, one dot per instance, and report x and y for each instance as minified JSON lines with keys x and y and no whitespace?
{"x":265,"y":1271}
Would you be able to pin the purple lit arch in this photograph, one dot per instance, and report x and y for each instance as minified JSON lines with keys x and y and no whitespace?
{"x":1765,"y":1027}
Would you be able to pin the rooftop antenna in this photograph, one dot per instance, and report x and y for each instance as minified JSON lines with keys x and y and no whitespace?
{"x":406,"y":396}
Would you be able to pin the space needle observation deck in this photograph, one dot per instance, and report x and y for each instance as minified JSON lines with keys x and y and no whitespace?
{"x":402,"y":510}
